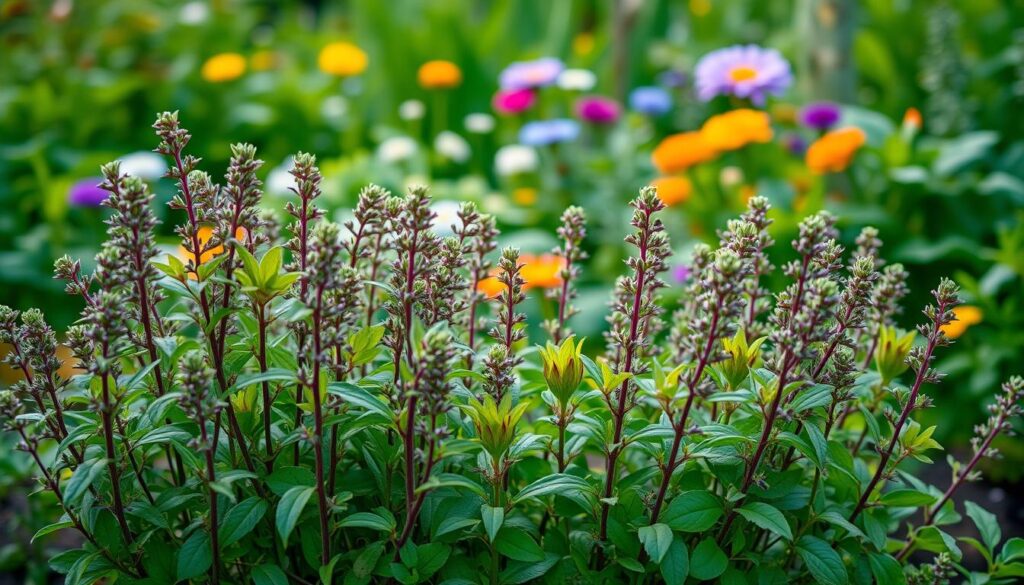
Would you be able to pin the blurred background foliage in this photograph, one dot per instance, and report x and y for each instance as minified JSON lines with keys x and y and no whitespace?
{"x":81,"y":81}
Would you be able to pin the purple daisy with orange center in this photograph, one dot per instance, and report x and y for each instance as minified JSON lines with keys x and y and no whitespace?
{"x":744,"y":71}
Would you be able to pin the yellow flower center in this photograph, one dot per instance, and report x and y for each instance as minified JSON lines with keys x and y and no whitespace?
{"x":742,"y":73}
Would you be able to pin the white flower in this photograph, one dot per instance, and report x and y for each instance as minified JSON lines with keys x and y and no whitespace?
{"x":731,"y":176}
{"x":148,"y":166}
{"x":514,"y":159}
{"x":479,"y":123}
{"x":334,"y":108}
{"x":577,"y":80}
{"x":410,"y":110}
{"x":452,"y":146}
{"x":446,"y":214}
{"x":194,"y":13}
{"x":396,"y":149}
{"x":280,"y":179}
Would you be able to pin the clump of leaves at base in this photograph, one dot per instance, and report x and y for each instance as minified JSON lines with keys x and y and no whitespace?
{"x":320,"y":404}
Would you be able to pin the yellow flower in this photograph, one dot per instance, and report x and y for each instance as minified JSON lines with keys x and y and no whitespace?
{"x":583,"y":44}
{"x":342,"y":59}
{"x":205,"y":233}
{"x":439,"y":74}
{"x":223,"y":67}
{"x":736,"y":129}
{"x":673,"y":190}
{"x":966,"y":315}
{"x":525,"y":196}
{"x":834,"y":151}
{"x":700,"y":7}
{"x":679,"y":152}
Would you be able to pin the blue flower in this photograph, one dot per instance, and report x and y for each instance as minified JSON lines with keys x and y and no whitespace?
{"x":650,"y":100}
{"x":547,"y":132}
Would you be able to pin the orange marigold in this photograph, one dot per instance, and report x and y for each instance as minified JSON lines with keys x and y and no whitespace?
{"x":490,"y":287}
{"x":342,"y":59}
{"x":223,"y":67}
{"x":736,"y":129}
{"x":205,"y":233}
{"x":966,"y":315}
{"x":678,"y":152}
{"x":673,"y":190}
{"x":834,"y":151}
{"x":439,"y":74}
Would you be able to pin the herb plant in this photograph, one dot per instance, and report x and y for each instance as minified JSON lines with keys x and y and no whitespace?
{"x":346,"y":405}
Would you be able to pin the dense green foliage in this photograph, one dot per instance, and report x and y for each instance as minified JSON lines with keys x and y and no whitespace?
{"x":342,"y":417}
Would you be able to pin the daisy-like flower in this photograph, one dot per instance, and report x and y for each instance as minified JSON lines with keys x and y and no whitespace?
{"x":577,"y":80}
{"x":547,"y":132}
{"x":515,"y":159}
{"x":531,"y":74}
{"x":479,"y":123}
{"x":452,"y":146}
{"x":148,"y":166}
{"x":744,"y":71}
{"x":410,"y":110}
{"x":396,"y":149}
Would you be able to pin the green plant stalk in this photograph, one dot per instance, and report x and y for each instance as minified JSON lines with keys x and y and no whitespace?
{"x":318,"y":434}
{"x":261,"y":314}
{"x":211,"y":476}
{"x":115,"y":474}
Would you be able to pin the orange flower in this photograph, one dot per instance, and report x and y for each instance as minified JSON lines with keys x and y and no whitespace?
{"x":673,"y":190}
{"x":541,"y":271}
{"x":834,"y":151}
{"x":205,"y":233}
{"x":679,"y":152}
{"x":223,"y":67}
{"x":912,"y":119}
{"x":439,"y":74}
{"x":966,"y":315}
{"x":525,"y":196}
{"x":736,"y":129}
{"x":490,"y":287}
{"x":342,"y":59}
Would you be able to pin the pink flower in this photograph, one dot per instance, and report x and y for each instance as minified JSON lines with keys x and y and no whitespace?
{"x":514,"y":101}
{"x":598,"y":110}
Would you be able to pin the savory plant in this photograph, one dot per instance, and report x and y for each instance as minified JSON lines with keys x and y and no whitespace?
{"x":327,"y":408}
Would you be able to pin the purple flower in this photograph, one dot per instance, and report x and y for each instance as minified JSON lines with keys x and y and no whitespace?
{"x":820,"y":115}
{"x":744,"y":71}
{"x":653,"y":101}
{"x":546,"y":132}
{"x":87,"y":193}
{"x":795,"y":144}
{"x":531,"y":74}
{"x":598,"y":110}
{"x":681,"y":274}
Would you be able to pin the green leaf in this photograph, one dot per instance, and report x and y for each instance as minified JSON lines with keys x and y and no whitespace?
{"x":987,"y":525}
{"x":285,"y":478}
{"x":195,"y":556}
{"x":367,"y":560}
{"x":932,"y":539}
{"x":656,"y":539}
{"x":707,"y":561}
{"x":1013,"y":550}
{"x":367,"y":520}
{"x":675,"y":567}
{"x":241,"y":520}
{"x":271,"y":375}
{"x":290,"y":508}
{"x":906,"y":498}
{"x":81,"y":479}
{"x":518,"y":545}
{"x":886,"y":569}
{"x":432,"y":556}
{"x":269,"y":574}
{"x":767,"y":517}
{"x":51,"y":528}
{"x":555,"y":483}
{"x":825,"y":564}
{"x":493,"y":518}
{"x":526,"y":572}
{"x":270,"y":264}
{"x":694,"y":511}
